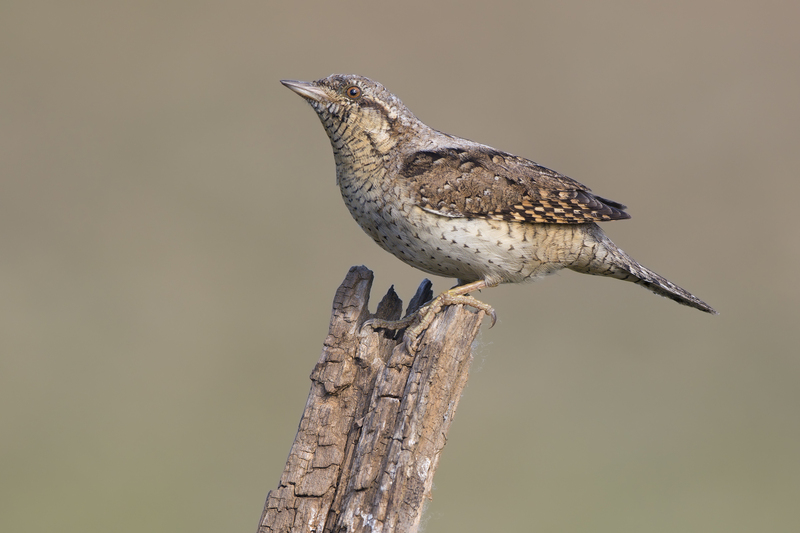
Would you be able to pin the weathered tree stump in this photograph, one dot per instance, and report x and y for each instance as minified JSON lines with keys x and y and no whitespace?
{"x":376,"y":418}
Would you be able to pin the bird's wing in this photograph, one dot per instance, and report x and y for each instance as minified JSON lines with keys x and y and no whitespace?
{"x":485,"y":183}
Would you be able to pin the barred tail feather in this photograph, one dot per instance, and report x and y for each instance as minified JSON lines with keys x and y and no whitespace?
{"x":609,"y":260}
{"x":663,"y":287}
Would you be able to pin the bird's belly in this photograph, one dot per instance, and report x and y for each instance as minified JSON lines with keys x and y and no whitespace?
{"x":469,"y":249}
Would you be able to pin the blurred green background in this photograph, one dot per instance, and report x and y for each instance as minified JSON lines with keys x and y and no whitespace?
{"x":171,"y":238}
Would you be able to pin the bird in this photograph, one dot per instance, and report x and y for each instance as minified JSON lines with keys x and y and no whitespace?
{"x":460,"y":209}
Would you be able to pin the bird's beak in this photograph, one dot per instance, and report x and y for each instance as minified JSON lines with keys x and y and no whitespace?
{"x":306,"y":89}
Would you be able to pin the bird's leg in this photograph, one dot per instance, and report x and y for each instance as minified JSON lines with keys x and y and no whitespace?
{"x":423,"y":317}
{"x":460,"y":295}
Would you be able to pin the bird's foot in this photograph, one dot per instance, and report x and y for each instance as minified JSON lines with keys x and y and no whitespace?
{"x":416,"y":323}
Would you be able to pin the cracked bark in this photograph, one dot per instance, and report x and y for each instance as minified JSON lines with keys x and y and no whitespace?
{"x":376,"y":419}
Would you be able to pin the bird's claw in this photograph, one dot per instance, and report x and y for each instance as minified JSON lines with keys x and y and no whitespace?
{"x":417,"y":322}
{"x":380,"y":323}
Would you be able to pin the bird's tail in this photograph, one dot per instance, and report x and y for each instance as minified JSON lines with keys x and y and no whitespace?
{"x":609,"y":260}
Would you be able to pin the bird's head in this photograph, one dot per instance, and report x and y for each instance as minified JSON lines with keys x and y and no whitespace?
{"x":355,"y":108}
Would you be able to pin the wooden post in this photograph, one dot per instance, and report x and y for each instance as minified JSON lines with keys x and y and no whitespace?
{"x":376,"y":418}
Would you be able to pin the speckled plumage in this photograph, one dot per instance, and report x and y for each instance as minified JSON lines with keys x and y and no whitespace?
{"x":456,"y":208}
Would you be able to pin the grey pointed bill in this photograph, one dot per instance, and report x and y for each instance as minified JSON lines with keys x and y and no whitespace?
{"x":305,"y":89}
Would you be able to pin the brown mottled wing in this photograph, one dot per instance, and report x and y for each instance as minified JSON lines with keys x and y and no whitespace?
{"x":481,"y":182}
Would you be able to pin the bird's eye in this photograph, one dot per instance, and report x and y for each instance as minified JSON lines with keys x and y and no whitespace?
{"x":353,"y":92}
